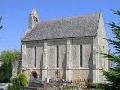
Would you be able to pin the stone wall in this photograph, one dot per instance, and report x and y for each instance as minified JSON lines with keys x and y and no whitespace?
{"x":99,"y":45}
{"x":70,"y":69}
{"x":86,"y":52}
{"x":81,"y":74}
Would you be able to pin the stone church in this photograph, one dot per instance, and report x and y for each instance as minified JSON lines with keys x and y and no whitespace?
{"x":67,"y":48}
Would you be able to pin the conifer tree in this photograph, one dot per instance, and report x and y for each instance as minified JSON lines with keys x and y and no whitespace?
{"x":113,"y":74}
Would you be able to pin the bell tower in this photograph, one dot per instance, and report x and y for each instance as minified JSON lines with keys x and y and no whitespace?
{"x":33,"y":19}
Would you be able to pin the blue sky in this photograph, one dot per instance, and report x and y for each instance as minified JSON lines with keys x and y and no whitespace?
{"x":15,"y":15}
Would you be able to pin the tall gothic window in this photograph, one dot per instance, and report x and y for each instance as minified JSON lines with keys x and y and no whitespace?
{"x":35,"y":56}
{"x":57,"y":56}
{"x":81,"y":56}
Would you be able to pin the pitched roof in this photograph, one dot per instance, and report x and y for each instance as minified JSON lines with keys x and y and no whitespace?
{"x":86,"y":25}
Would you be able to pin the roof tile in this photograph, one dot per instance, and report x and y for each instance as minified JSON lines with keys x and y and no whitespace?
{"x":86,"y":25}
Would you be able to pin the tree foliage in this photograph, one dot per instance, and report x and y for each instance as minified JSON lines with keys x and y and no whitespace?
{"x":15,"y":85}
{"x":23,"y":79}
{"x":10,"y":56}
{"x":5,"y":72}
{"x":113,"y":74}
{"x":7,"y":57}
{"x":19,"y":82}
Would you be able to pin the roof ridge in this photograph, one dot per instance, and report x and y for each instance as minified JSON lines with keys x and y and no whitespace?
{"x":69,"y":17}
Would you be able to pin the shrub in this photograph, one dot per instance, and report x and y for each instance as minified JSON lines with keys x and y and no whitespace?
{"x":23,"y":79}
{"x":7,"y":57}
{"x":19,"y":82}
{"x":5,"y":72}
{"x":15,"y":85}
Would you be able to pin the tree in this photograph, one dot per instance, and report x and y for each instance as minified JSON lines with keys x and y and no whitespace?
{"x":113,"y":74}
{"x":10,"y":56}
{"x":7,"y":57}
{"x":5,"y":72}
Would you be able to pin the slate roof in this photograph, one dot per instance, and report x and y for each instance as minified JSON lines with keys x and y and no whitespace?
{"x":80,"y":26}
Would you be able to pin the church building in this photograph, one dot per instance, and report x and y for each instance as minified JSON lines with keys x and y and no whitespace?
{"x":67,"y":48}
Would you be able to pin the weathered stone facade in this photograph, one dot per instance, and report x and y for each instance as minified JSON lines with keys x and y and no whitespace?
{"x":71,"y":58}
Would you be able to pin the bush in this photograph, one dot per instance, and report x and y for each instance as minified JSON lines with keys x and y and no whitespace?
{"x":5,"y":72}
{"x":103,"y":86}
{"x":15,"y":85}
{"x":23,"y":79}
{"x":7,"y":57}
{"x":19,"y":82}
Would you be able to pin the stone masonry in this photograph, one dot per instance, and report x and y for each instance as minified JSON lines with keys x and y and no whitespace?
{"x":71,"y":56}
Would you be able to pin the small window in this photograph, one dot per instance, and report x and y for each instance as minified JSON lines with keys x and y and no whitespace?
{"x":81,"y":56}
{"x":35,"y":56}
{"x":57,"y":56}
